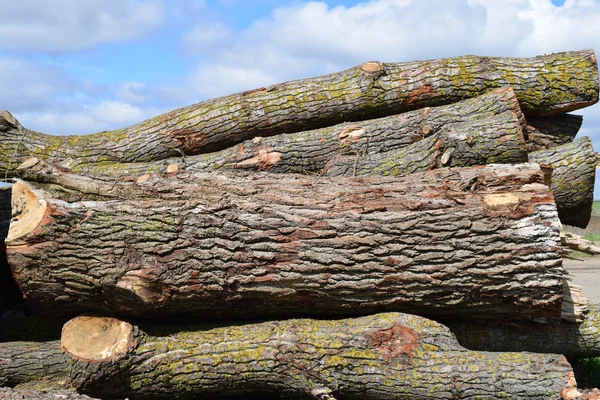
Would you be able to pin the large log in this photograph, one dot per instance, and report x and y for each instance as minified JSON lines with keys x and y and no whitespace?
{"x":488,"y":128}
{"x":483,"y":241}
{"x":385,"y":356}
{"x":576,"y":340}
{"x":573,"y":179}
{"x":544,"y":85}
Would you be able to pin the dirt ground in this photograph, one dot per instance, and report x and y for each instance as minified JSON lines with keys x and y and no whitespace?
{"x":585,"y":271}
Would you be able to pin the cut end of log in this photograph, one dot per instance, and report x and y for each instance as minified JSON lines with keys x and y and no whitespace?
{"x":29,"y":163}
{"x":28,"y":212}
{"x":143,"y":178}
{"x":264,"y":160}
{"x":8,"y":117}
{"x":372,"y":67}
{"x":96,"y":339}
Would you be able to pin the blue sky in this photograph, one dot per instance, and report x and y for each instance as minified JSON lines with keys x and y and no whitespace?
{"x":80,"y":66}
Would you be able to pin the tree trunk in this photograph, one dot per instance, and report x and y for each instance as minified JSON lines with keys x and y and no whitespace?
{"x":385,"y":356}
{"x":576,"y":340}
{"x":544,"y":133}
{"x":544,"y":85}
{"x":22,"y":362}
{"x":573,"y":178}
{"x":491,"y":124}
{"x":483,"y":241}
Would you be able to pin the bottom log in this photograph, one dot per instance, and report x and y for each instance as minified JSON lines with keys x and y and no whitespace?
{"x":385,"y":356}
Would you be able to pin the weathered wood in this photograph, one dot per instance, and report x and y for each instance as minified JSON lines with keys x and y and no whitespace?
{"x":385,"y":356}
{"x":218,"y":246}
{"x":573,"y":179}
{"x":576,"y":242}
{"x":488,"y":128}
{"x":547,"y":132}
{"x":577,"y":340}
{"x":544,"y":85}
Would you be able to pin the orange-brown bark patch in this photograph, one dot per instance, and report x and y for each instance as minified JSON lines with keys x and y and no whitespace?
{"x":395,"y":341}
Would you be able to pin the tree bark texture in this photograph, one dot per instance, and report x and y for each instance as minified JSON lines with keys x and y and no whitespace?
{"x":544,"y":85}
{"x":577,"y":340}
{"x":573,"y":179}
{"x":22,"y":362}
{"x":384,"y":356}
{"x":483,"y":241}
{"x":544,"y":133}
{"x":489,"y":128}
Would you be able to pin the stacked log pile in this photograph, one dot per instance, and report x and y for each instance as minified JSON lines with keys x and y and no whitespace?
{"x":387,"y":232}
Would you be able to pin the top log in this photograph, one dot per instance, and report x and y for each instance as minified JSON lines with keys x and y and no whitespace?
{"x":544,"y":85}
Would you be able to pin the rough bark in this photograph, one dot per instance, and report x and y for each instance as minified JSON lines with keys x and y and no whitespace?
{"x":18,"y":394}
{"x":544,"y":85}
{"x":544,"y":133}
{"x":22,"y":362}
{"x":385,"y":356}
{"x":573,"y":178}
{"x":483,"y":241}
{"x":576,"y":340}
{"x":489,"y":128}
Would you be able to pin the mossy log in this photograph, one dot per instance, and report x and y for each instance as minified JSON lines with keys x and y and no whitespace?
{"x":576,"y":340}
{"x":544,"y":133}
{"x":483,"y":241}
{"x":544,"y":85}
{"x":573,"y":178}
{"x":22,"y":362}
{"x":489,"y":128}
{"x":384,"y":356}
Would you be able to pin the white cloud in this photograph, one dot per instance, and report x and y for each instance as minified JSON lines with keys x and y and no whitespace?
{"x":208,"y":36}
{"x":132,"y":92}
{"x":27,"y":85}
{"x":68,"y":25}
{"x":117,"y":113}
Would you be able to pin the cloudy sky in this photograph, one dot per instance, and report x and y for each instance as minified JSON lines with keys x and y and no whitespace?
{"x":80,"y":66}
